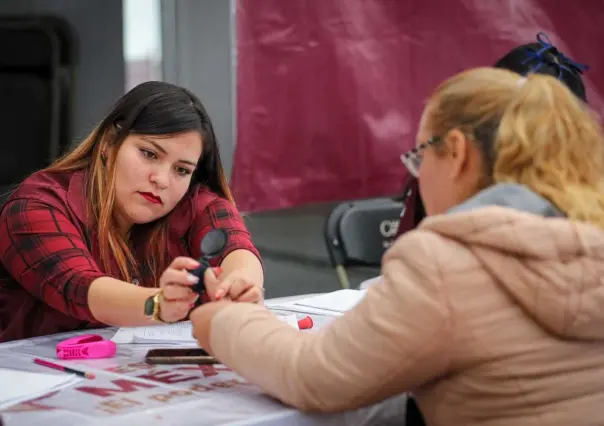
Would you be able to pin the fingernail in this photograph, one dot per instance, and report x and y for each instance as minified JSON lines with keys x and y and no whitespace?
{"x":219,"y":294}
{"x":192,"y":278}
{"x":217,"y":270}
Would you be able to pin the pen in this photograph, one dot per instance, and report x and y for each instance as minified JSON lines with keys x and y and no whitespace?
{"x":64,"y":369}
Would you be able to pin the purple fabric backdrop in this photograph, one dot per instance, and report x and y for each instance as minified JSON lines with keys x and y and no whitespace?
{"x":329,"y":91}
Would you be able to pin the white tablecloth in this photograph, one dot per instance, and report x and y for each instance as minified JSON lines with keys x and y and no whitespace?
{"x":127,"y":391}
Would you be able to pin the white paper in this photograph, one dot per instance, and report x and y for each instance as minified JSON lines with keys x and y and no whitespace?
{"x":290,"y":319}
{"x":180,"y":333}
{"x":298,"y":309}
{"x":166,"y":333}
{"x":338,"y":301}
{"x":124,"y":335}
{"x":369,"y":282}
{"x":19,"y":386}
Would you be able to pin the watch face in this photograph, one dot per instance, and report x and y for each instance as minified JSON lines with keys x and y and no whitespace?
{"x":149,"y":306}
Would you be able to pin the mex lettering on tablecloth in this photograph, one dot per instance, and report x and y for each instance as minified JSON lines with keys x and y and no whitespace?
{"x":145,"y":386}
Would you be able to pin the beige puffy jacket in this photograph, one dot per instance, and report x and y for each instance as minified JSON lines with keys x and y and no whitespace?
{"x":492,"y":314}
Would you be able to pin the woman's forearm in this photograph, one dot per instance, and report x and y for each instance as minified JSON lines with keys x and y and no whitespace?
{"x":245,"y":261}
{"x":118,"y":303}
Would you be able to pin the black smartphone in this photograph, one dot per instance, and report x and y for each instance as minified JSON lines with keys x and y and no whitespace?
{"x":180,"y":356}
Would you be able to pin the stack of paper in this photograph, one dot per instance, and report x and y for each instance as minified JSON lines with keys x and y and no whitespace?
{"x":290,"y":319}
{"x":338,"y":301}
{"x":329,"y":304}
{"x":180,"y":334}
{"x":20,"y":386}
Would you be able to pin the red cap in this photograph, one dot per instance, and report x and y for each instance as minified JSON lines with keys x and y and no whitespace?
{"x":305,"y":323}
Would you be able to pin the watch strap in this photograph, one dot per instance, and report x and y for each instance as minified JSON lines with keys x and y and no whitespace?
{"x":152,"y":307}
{"x":156,"y":307}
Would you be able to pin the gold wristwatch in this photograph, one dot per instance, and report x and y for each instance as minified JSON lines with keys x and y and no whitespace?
{"x":152,"y":307}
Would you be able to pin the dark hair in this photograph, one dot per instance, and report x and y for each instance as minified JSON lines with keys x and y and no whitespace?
{"x":159,"y":108}
{"x":151,"y":108}
{"x":545,"y":58}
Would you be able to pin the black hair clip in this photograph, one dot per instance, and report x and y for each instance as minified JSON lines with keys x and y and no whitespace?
{"x":563,"y":63}
{"x":212,"y":245}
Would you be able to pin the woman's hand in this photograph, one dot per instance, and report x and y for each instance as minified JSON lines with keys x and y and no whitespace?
{"x":177,"y":296}
{"x":235,"y":285}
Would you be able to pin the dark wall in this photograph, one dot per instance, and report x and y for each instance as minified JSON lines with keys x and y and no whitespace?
{"x":100,"y":72}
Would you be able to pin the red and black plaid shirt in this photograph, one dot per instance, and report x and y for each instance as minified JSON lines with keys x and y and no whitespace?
{"x":49,"y":256}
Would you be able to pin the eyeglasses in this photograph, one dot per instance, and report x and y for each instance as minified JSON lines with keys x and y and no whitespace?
{"x":413,"y":159}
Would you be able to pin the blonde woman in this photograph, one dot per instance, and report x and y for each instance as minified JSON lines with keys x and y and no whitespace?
{"x":492,"y":311}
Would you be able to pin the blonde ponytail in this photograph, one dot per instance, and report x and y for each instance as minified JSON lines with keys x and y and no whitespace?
{"x":531,"y":131}
{"x":549,"y":141}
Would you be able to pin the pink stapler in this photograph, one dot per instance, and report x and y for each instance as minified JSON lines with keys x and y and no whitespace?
{"x":88,"y":346}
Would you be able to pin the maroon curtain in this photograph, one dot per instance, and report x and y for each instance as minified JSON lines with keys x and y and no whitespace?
{"x":329,"y":91}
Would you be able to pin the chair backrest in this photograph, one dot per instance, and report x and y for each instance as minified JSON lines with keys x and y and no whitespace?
{"x":36,"y":82}
{"x":358,"y":233}
{"x":414,"y":208}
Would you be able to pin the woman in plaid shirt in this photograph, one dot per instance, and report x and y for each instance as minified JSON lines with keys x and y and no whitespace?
{"x":118,"y":222}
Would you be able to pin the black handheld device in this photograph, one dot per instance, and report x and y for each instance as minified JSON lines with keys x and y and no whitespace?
{"x":212,"y":245}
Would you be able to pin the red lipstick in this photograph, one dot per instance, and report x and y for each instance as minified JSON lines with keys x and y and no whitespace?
{"x":152,"y":198}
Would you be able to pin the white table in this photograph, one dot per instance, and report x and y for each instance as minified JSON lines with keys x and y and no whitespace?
{"x":127,"y":391}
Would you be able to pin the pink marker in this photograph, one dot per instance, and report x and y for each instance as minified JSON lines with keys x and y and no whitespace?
{"x":89,"y":346}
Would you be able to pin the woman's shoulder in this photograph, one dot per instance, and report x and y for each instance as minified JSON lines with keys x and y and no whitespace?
{"x":45,"y":178}
{"x":202,"y":196}
{"x":63,"y":192}
{"x":195,"y":201}
{"x":43,"y":186}
{"x":198,"y":201}
{"x":418,"y":243}
{"x":430,"y":251}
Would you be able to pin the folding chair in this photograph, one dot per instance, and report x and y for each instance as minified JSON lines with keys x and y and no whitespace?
{"x":358,"y":233}
{"x":37,"y":60}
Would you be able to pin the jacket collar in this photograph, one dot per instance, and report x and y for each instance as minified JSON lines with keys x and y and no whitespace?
{"x":511,"y":195}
